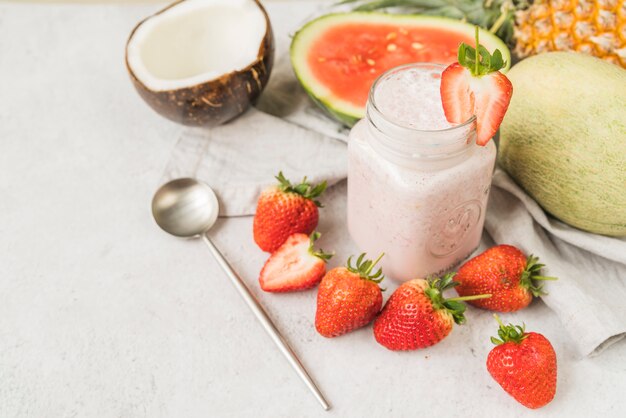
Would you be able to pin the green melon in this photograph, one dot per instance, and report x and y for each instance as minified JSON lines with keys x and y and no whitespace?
{"x":563,"y":138}
{"x":337,"y":57}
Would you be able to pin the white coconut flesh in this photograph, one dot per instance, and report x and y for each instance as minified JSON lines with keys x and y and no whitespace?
{"x":196,"y":41}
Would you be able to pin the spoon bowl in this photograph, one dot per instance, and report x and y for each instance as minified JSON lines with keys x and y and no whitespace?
{"x":185,"y":207}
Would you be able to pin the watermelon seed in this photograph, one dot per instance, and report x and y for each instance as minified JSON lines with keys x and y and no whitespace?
{"x":391,"y":35}
{"x":321,"y":59}
{"x":371,"y":62}
{"x":391,"y":47}
{"x":403,"y":31}
{"x":417,"y":45}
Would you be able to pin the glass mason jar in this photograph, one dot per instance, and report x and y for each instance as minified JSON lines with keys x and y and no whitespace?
{"x":419,"y":196}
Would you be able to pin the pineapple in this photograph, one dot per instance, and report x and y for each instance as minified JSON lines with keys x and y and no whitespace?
{"x":595,"y":27}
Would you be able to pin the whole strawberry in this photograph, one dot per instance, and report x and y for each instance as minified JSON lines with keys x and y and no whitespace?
{"x":524,"y":364}
{"x":286,"y":209}
{"x":417,"y":315}
{"x":504,"y":272}
{"x":348,"y":298}
{"x":294,"y":266}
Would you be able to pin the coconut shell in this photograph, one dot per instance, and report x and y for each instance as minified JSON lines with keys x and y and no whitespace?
{"x":216,"y":101}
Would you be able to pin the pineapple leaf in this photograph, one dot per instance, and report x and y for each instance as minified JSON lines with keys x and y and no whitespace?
{"x":383,"y":4}
{"x":497,"y":16}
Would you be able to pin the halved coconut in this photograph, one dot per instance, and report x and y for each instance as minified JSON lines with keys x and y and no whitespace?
{"x":202,"y":62}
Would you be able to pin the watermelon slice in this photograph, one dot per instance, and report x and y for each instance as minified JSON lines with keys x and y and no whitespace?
{"x":337,"y":57}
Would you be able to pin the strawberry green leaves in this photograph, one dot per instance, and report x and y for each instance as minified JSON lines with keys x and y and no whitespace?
{"x":364,"y":268}
{"x":479,"y":60}
{"x":319,"y":253}
{"x":304,"y":189}
{"x":509,"y":333}
{"x":435,"y":289}
{"x":531,"y":272}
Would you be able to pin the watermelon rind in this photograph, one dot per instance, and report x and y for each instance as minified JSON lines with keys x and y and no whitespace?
{"x":341,"y":110}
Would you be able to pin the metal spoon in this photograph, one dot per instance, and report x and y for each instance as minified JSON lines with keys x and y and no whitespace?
{"x":188,"y":208}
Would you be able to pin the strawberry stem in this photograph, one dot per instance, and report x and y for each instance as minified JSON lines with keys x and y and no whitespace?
{"x":477,"y":59}
{"x":374,"y":263}
{"x":545,"y":278}
{"x":454,"y":306}
{"x":470,"y":297}
{"x":364,"y":269}
{"x":476,"y":49}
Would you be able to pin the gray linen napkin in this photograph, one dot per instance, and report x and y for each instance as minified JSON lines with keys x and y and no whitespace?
{"x":239,"y":159}
{"x":590,"y":295}
{"x":286,"y":99}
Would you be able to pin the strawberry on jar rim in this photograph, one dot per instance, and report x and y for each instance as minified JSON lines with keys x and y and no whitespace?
{"x":295,"y":265}
{"x":524,"y":365}
{"x":286,"y":209}
{"x":474,"y":86}
{"x":348,"y":297}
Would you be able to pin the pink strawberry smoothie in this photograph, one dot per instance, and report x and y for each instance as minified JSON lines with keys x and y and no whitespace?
{"x":417,"y":185}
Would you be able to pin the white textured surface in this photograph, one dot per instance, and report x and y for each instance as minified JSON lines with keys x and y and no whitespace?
{"x":103,"y":315}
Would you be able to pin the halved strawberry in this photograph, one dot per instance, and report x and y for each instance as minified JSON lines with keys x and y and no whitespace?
{"x":294,"y":266}
{"x":457,"y":100}
{"x":474,"y":86}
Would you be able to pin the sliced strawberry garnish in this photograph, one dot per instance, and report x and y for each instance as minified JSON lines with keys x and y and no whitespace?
{"x":294,"y":265}
{"x":492,"y":94}
{"x":474,"y":86}
{"x":456,"y":97}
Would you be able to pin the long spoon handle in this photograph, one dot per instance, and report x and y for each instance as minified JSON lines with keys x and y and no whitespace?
{"x":267,"y":323}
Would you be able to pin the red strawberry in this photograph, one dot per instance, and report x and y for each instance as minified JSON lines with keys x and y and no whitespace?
{"x":524,"y":364}
{"x":286,"y":209}
{"x":294,"y":266}
{"x":505,"y":273}
{"x":348,"y":298}
{"x":474,"y":86}
{"x":418,"y":316}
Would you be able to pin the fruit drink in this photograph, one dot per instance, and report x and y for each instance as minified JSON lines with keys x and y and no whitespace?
{"x":417,"y":185}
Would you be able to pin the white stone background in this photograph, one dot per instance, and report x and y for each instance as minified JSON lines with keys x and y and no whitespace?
{"x":103,"y":315}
